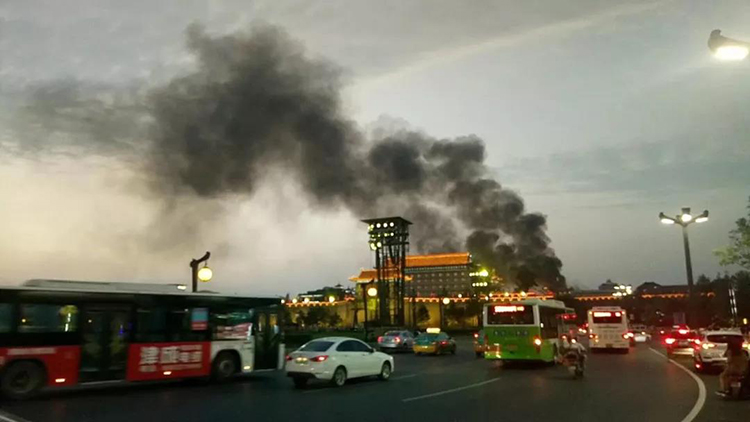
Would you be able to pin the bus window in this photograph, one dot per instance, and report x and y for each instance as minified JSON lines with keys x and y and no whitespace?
{"x":6,"y":316}
{"x":549,"y":320}
{"x":236,"y":325}
{"x":183,"y":325}
{"x":38,"y":318}
{"x":607,"y":318}
{"x":510,"y":315}
{"x":151,"y":325}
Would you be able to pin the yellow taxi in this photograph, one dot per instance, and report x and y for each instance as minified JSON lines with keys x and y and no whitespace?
{"x":434,"y":342}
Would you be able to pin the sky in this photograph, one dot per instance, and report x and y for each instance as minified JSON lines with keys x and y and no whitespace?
{"x":599,"y":114}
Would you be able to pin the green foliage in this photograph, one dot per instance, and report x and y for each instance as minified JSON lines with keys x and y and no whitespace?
{"x":738,"y":250}
{"x":334,"y":319}
{"x":455,"y":313}
{"x":423,"y":315}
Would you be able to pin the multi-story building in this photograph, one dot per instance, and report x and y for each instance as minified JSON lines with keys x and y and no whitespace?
{"x":432,"y":274}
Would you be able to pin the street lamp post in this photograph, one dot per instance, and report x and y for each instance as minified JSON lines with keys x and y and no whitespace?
{"x":371,"y":292}
{"x":684,"y":220}
{"x":204,"y":274}
{"x":727,"y":48}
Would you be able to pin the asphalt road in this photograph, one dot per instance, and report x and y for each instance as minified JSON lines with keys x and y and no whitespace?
{"x":639,"y":386}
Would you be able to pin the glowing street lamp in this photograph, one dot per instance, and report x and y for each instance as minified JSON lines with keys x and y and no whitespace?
{"x":446,"y":301}
{"x":331,"y":299}
{"x":204,"y":274}
{"x":684,"y":219}
{"x":728,"y":49}
{"x":372,"y":292}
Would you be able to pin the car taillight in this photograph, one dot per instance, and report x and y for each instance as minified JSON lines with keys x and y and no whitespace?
{"x":380,"y":339}
{"x":320,"y":358}
{"x":669,"y":340}
{"x":708,"y":346}
{"x":443,"y":343}
{"x":626,"y":336}
{"x":397,"y":339}
{"x":288,"y":357}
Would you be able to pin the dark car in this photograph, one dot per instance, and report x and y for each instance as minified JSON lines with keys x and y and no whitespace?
{"x":681,"y":341}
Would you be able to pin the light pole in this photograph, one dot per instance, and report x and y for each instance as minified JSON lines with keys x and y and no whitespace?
{"x":684,"y":220}
{"x":443,"y":303}
{"x":371,"y":292}
{"x":727,"y":48}
{"x":204,"y":274}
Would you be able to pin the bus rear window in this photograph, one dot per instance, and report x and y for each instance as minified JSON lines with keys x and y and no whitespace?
{"x":608,"y":320}
{"x":607,"y":317}
{"x":510,"y":315}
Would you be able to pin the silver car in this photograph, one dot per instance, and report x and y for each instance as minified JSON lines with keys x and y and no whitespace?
{"x":396,"y":340}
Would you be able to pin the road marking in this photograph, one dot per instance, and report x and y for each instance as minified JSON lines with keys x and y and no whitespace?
{"x":701,"y":389}
{"x":452,"y":390}
{"x":6,"y":417}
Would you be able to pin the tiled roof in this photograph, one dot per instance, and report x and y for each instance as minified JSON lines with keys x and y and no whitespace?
{"x":438,"y":260}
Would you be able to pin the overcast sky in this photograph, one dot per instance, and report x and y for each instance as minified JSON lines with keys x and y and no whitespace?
{"x":599,"y":113}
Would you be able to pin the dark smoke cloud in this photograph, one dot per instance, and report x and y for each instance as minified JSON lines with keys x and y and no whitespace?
{"x":256,"y":103}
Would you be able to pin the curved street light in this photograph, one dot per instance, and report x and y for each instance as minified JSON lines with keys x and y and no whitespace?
{"x":725,"y":48}
{"x":684,"y":219}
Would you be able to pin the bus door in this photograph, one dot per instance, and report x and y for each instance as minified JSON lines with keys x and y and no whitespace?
{"x":267,"y":338}
{"x":105,"y":332}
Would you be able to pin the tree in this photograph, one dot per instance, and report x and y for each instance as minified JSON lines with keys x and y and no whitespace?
{"x":333,"y":319}
{"x":738,"y":251}
{"x":455,"y":313}
{"x":315,"y":316}
{"x":423,"y":315}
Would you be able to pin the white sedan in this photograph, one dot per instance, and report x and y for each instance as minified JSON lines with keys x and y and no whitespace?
{"x":336,"y":359}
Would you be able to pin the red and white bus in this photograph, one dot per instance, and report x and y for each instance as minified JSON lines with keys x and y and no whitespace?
{"x":59,"y":333}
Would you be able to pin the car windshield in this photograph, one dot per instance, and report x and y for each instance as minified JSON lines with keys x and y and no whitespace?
{"x":394,"y":333}
{"x":724,"y":338}
{"x":316,"y":346}
{"x":683,"y":335}
{"x":427,"y":337}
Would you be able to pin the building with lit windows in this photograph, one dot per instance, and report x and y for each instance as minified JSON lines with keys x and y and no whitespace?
{"x":431,"y":275}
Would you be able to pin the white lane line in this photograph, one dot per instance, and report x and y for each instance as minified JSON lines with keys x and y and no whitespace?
{"x":701,"y":389}
{"x":6,"y":417}
{"x":452,"y":390}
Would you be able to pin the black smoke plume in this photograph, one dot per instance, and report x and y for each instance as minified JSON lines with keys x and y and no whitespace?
{"x":256,"y":102}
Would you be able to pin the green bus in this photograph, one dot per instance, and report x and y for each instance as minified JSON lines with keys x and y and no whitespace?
{"x":525,"y":330}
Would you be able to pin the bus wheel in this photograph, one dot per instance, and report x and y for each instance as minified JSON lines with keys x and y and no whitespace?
{"x":225,"y":365}
{"x":22,"y":380}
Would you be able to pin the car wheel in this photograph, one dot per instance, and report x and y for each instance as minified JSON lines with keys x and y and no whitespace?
{"x":225,"y":365}
{"x":300,"y":382}
{"x":339,"y":377}
{"x":22,"y":380}
{"x":385,"y":371}
{"x":453,"y":351}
